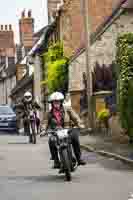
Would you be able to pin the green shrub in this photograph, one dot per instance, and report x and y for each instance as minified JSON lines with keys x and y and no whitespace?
{"x":124,"y":60}
{"x":57,"y":68}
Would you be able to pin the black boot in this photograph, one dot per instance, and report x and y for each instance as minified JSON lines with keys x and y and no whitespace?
{"x":81,"y":162}
{"x":61,"y":171}
{"x":56,"y":164}
{"x":30,"y":139}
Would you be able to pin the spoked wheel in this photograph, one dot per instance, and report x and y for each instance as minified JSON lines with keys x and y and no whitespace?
{"x":66,"y":165}
{"x":34,"y":138}
{"x":30,"y":139}
{"x":33,"y":135}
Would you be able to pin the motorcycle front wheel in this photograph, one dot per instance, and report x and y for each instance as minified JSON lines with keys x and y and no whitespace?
{"x":66,"y":164}
{"x":33,"y":135}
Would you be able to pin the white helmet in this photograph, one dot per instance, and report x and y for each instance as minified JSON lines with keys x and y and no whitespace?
{"x":28,"y":97}
{"x":56,"y":96}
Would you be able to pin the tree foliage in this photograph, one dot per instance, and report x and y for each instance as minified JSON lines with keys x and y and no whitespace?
{"x":57,"y":68}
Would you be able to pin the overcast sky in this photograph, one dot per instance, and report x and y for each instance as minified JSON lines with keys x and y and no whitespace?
{"x":10,"y":12}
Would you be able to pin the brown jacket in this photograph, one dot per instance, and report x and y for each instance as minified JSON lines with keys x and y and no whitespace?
{"x":71,"y":119}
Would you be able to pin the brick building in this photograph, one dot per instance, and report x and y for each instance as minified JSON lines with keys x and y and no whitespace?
{"x":103,"y":46}
{"x":69,"y":19}
{"x":26,"y":30}
{"x":26,"y":65}
{"x":7,"y":45}
{"x":69,"y":14}
{"x":7,"y":63}
{"x":27,"y":40}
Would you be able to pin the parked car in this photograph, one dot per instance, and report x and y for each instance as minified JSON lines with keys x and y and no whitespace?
{"x":8,"y":121}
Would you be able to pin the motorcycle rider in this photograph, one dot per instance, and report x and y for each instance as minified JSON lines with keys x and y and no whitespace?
{"x":26,"y":104}
{"x":61,"y":116}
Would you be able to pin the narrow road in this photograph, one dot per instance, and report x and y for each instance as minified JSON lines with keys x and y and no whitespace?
{"x":25,"y":173}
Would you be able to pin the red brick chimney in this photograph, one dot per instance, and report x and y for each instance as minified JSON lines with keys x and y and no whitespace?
{"x":7,"y":45}
{"x":26,"y":29}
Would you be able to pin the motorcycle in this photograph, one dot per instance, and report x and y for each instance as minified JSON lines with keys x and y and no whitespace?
{"x":62,"y":141}
{"x":32,"y":126}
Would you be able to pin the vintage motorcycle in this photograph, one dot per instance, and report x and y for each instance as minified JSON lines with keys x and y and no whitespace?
{"x":32,"y":125}
{"x":62,"y":141}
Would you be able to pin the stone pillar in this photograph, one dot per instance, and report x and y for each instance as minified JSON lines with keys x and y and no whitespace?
{"x":37,"y":81}
{"x":75,"y":100}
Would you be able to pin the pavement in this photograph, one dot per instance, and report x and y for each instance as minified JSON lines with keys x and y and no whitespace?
{"x":103,"y":144}
{"x":25,"y":173}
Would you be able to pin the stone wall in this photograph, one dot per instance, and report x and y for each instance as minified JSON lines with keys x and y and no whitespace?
{"x":76,"y":69}
{"x":103,"y":51}
{"x":71,"y":21}
{"x":71,"y":26}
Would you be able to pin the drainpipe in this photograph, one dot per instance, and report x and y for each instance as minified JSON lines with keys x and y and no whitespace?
{"x":87,"y":33}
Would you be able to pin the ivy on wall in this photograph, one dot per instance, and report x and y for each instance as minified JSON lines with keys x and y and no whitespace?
{"x":57,"y":68}
{"x":124,"y":60}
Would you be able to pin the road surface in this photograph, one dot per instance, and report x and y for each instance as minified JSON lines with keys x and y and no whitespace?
{"x":26,"y":174}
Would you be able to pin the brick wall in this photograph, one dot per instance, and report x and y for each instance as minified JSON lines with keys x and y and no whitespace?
{"x":71,"y":21}
{"x":100,"y":10}
{"x":26,"y":29}
{"x":7,"y":45}
{"x":71,"y":26}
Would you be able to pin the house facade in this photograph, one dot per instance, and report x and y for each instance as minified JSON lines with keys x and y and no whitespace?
{"x":7,"y":83}
{"x":7,"y":63}
{"x":103,"y":46}
{"x":24,"y":80}
{"x":69,"y":15}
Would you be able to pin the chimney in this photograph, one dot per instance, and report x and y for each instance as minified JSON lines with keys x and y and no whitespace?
{"x":26,"y":29}
{"x":10,"y":27}
{"x":7,"y":45}
{"x":5,"y":27}
{"x":23,"y":14}
{"x":29,"y":13}
{"x":1,"y":27}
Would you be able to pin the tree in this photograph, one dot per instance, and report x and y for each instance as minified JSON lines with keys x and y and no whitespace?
{"x":57,"y":68}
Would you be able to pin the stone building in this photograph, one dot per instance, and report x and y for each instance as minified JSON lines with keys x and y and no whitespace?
{"x":23,"y":85}
{"x":70,"y":16}
{"x":52,"y":7}
{"x":103,"y":46}
{"x":69,"y":21}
